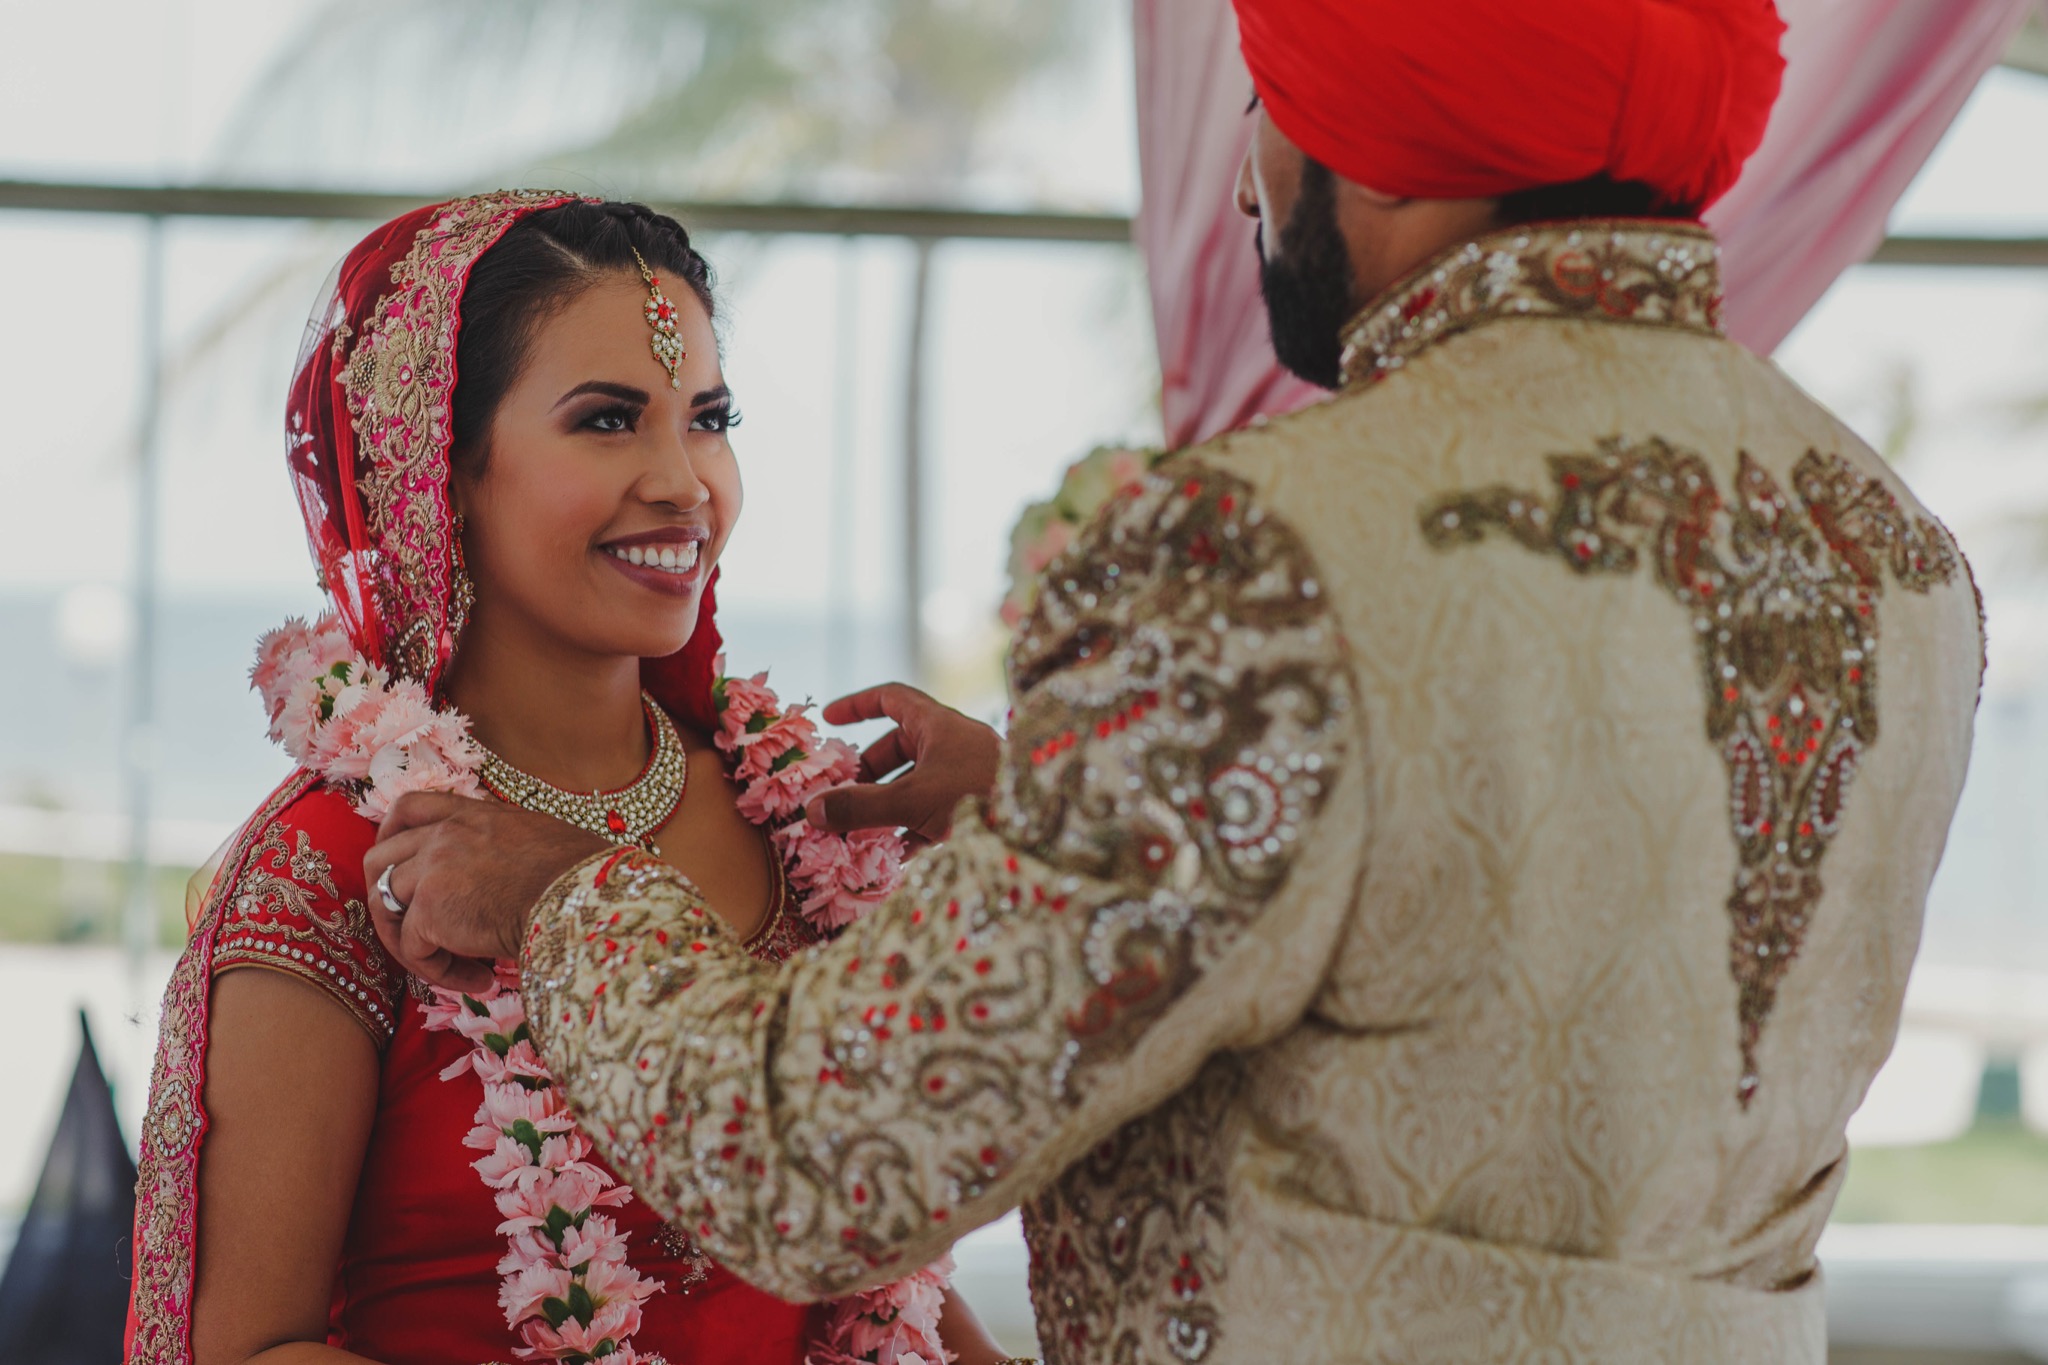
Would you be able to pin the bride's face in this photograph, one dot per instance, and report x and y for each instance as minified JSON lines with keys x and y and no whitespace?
{"x":607,"y":495}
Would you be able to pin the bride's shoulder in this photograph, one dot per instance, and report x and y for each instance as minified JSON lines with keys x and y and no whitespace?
{"x":310,"y":824}
{"x":290,"y":897}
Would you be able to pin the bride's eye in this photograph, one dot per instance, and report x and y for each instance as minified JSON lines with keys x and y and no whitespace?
{"x":721,"y":418}
{"x":619,"y":418}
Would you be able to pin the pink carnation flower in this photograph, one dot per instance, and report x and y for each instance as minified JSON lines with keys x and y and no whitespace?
{"x":522,"y":1060}
{"x":745,"y":698}
{"x":538,"y":1192}
{"x":895,"y":1324}
{"x":503,"y":1013}
{"x":530,"y":1285}
{"x":841,"y":877}
{"x":837,"y":761}
{"x":297,"y":716}
{"x":758,"y":752}
{"x":507,"y":1159}
{"x":339,"y":749}
{"x":597,"y":1242}
{"x":422,"y":768}
{"x":613,"y":1281}
{"x":369,"y":721}
{"x":505,"y":1105}
{"x":617,"y":1319}
{"x":777,"y":796}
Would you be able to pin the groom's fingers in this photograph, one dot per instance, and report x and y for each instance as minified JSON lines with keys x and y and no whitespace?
{"x":890,"y":701}
{"x":887,"y":805}
{"x":885,"y":756}
{"x":393,"y":853}
{"x":415,"y":809}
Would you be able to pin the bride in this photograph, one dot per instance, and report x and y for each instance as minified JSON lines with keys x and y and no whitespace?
{"x":508,"y":433}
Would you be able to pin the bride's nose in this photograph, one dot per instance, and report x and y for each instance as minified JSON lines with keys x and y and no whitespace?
{"x":672,"y":476}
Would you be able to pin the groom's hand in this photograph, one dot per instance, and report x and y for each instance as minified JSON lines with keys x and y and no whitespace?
{"x":949,"y":757}
{"x":468,"y":873}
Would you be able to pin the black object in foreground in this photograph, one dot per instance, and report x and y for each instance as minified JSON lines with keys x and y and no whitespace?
{"x":64,"y":1296}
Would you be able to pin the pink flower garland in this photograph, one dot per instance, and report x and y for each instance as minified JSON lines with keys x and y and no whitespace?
{"x":352,"y":723}
{"x":568,"y":1291}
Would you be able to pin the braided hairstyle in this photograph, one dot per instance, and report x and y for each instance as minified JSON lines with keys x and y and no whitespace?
{"x":536,"y":268}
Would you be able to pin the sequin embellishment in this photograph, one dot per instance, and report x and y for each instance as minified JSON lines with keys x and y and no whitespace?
{"x":1184,"y":712}
{"x":1783,"y":597}
{"x":1663,"y":275}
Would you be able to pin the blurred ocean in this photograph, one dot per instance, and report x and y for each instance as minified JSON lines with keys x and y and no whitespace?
{"x":64,"y":695}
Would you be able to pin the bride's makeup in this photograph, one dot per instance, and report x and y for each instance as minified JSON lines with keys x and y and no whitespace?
{"x":667,"y":561}
{"x":594,"y":458}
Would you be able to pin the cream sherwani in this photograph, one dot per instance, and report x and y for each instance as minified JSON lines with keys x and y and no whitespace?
{"x":1453,"y":875}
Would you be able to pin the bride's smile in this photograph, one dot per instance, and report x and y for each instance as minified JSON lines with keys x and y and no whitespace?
{"x":598,"y":498}
{"x":511,"y":443}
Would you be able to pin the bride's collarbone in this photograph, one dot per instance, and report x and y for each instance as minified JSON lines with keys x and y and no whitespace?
{"x":726,"y":855}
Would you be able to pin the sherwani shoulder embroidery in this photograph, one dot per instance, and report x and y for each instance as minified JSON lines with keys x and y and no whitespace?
{"x":1389,"y":939}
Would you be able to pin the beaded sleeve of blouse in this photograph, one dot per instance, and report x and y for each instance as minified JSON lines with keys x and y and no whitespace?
{"x":1454,"y":872}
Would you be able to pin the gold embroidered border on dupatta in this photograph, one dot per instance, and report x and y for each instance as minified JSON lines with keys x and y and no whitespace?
{"x":167,"y":1172}
{"x":400,"y":382}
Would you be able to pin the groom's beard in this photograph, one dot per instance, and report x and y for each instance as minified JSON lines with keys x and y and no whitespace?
{"x":1307,"y":282}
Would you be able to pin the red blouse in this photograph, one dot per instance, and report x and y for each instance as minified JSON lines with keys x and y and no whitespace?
{"x":418,"y":1282}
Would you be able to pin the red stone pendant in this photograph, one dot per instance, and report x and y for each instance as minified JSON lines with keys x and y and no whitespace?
{"x":615,"y":822}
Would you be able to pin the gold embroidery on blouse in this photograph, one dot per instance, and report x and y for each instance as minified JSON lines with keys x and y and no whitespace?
{"x":1782,"y":594}
{"x":1648,"y":274}
{"x":286,"y":914}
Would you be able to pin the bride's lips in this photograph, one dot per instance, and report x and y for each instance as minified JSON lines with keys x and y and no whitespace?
{"x":669,"y":561}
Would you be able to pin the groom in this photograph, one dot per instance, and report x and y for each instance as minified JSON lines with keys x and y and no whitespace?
{"x":1454,"y":866}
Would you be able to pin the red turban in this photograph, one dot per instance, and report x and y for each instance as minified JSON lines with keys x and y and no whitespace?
{"x":1456,"y":99}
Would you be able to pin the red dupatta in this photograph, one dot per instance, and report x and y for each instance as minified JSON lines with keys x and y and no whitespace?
{"x":368,"y":430}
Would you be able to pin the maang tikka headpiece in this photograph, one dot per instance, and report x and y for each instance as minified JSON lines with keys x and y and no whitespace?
{"x":667,"y":344}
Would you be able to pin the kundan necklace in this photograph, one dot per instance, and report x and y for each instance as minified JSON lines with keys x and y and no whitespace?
{"x":630,"y":815}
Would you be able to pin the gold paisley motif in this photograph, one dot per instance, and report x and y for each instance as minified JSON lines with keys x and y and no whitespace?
{"x":1129,"y":1242}
{"x":1782,"y":593}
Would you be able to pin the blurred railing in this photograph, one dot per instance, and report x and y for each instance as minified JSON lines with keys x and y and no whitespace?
{"x":1897,"y":1295}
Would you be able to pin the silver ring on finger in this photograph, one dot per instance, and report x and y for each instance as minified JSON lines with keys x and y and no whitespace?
{"x":391,"y":901}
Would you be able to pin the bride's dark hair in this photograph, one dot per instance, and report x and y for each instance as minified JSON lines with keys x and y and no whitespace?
{"x":543,"y":262}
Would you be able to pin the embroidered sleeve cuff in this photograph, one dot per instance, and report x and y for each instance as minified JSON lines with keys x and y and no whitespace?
{"x":366,"y":1007}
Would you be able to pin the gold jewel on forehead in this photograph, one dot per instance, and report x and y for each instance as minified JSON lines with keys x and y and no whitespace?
{"x":667,"y":344}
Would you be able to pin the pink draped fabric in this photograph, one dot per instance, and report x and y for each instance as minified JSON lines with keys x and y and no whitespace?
{"x":1871,"y":86}
{"x":1216,"y":365}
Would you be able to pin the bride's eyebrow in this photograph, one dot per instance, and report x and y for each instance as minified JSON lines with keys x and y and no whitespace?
{"x":624,"y":392}
{"x":721,"y":394}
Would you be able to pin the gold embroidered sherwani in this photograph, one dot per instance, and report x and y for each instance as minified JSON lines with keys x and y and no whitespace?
{"x":1453,"y":874}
